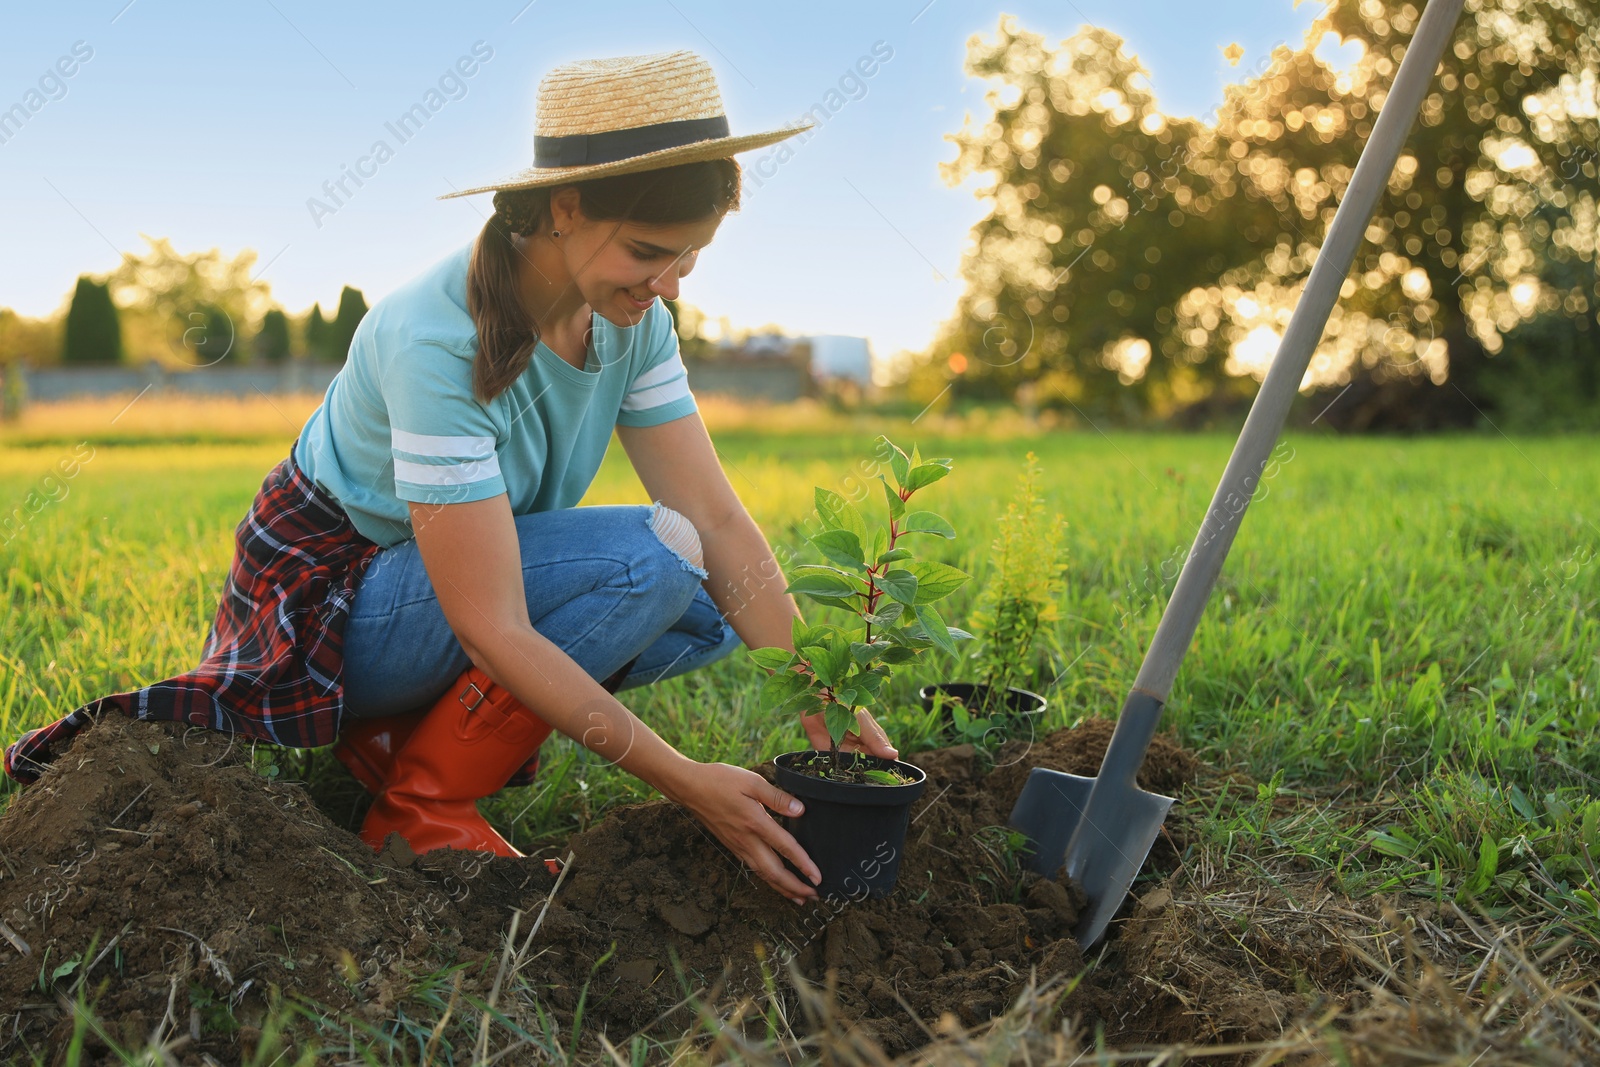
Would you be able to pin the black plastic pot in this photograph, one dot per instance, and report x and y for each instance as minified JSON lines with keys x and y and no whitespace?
{"x":854,"y":833}
{"x":1019,"y":707}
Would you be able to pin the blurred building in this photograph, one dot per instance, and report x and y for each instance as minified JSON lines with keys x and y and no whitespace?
{"x":779,"y":368}
{"x":838,"y":356}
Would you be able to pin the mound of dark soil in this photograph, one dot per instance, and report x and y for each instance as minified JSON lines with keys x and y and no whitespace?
{"x":188,"y":888}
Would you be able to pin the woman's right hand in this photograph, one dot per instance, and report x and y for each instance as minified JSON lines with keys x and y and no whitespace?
{"x":732,"y":803}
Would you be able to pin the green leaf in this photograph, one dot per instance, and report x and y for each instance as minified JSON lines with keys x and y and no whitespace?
{"x":808,"y":634}
{"x":871,"y":680}
{"x":880,"y":541}
{"x":929,"y":523}
{"x":898,"y":463}
{"x":818,"y":583}
{"x":933,"y":626}
{"x":780,"y":688}
{"x":1395,"y":842}
{"x":862,"y":652}
{"x":831,"y":663}
{"x":837,"y":513}
{"x":840,"y":720}
{"x":833,"y":600}
{"x":899,"y":584}
{"x":1488,"y":865}
{"x":899,"y":654}
{"x":886,"y":614}
{"x":841,"y":546}
{"x":881,"y":777}
{"x":1590,"y":826}
{"x":856,"y":581}
{"x":848,"y":696}
{"x":1588,"y":899}
{"x":774,"y":659}
{"x":897,"y":507}
{"x":893,"y":556}
{"x":907,"y":638}
{"x":925,"y":474}
{"x":63,"y":970}
{"x":935,"y":580}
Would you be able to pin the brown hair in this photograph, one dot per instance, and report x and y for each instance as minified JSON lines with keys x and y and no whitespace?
{"x":666,"y":196}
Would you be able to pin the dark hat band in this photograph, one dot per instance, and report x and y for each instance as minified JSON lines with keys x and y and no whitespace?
{"x":587,"y":149}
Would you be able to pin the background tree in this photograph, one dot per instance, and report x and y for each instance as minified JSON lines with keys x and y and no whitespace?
{"x":686,"y":322}
{"x":271,"y":343}
{"x":316,"y":334}
{"x":211,"y":337}
{"x":352,"y":308}
{"x":183,"y":306}
{"x":1135,"y":262}
{"x":93,"y":331}
{"x":35,"y":341}
{"x":23,"y":341}
{"x":1485,"y":228}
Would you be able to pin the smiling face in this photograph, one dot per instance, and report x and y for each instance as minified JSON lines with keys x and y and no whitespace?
{"x":621,"y":267}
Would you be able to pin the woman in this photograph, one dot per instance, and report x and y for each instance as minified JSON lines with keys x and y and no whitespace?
{"x":415,"y":579}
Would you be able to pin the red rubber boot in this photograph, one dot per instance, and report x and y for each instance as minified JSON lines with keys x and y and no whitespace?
{"x":465,"y":748}
{"x":367,"y":746}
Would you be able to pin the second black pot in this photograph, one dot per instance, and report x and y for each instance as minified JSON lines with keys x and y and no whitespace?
{"x":854,"y":833}
{"x":978,"y":699}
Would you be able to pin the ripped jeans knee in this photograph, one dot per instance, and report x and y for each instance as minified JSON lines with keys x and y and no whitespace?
{"x":680,"y":537}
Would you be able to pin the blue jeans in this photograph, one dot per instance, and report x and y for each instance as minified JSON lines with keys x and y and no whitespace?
{"x":600,"y":584}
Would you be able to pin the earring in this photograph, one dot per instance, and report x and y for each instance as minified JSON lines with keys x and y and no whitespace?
{"x":555,"y":233}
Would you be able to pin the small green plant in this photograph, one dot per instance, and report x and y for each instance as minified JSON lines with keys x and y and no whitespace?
{"x":1005,"y":849}
{"x":968,"y":728}
{"x":874,"y":576}
{"x":1024,"y":593}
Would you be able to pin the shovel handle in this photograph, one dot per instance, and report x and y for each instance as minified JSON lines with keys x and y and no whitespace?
{"x":1271,"y":406}
{"x":1136,"y":725}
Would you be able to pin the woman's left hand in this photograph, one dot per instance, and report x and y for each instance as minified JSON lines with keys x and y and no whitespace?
{"x":867,"y":737}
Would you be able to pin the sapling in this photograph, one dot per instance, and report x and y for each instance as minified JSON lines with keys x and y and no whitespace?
{"x":878,"y":579}
{"x":1028,"y":577}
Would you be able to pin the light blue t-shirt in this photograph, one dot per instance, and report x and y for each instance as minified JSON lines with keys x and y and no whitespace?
{"x":400,"y":421}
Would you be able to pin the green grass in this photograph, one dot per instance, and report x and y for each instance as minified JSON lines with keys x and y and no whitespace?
{"x":1402,"y":648}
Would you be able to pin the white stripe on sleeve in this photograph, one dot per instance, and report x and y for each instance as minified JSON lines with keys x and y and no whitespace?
{"x":446,"y":473}
{"x":660,"y":373}
{"x":421,"y":444}
{"x":644,"y":399}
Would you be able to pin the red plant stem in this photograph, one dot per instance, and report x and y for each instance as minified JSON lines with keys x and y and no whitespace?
{"x":873,"y":592}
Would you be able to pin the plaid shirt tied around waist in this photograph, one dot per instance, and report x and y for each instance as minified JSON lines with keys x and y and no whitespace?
{"x":272,"y":666}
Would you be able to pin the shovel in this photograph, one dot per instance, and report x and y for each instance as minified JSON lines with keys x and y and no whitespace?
{"x":1101,"y":828}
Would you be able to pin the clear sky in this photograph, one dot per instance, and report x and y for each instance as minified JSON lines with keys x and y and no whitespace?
{"x":213,"y":125}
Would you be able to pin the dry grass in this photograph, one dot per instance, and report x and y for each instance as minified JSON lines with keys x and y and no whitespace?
{"x":158,"y":415}
{"x":1507,"y":1010}
{"x":162,"y":416}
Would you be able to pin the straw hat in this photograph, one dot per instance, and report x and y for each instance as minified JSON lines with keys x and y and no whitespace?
{"x":598,"y":117}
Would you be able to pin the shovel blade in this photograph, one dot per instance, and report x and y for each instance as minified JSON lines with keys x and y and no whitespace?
{"x":1109,"y":828}
{"x":1119,"y":825}
{"x":1048,"y":811}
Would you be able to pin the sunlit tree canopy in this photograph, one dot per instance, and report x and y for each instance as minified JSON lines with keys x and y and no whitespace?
{"x":1129,"y":256}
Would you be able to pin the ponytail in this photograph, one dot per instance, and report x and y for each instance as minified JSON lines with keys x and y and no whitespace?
{"x":507,"y":334}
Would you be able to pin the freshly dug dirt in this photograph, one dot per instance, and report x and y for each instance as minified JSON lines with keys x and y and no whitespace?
{"x":219,"y":886}
{"x":1279,"y":957}
{"x":182,"y":881}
